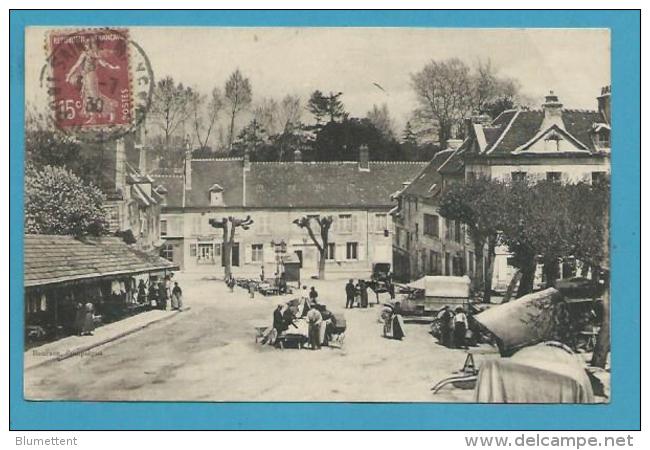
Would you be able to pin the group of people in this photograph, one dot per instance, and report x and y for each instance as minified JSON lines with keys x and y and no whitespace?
{"x":453,"y":327}
{"x":160,"y":293}
{"x":351,"y":292}
{"x":307,"y":307}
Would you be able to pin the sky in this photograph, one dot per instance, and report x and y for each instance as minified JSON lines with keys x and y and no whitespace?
{"x":574,"y":63}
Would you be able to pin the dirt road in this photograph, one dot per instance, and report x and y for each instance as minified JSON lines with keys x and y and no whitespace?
{"x":209,"y":354}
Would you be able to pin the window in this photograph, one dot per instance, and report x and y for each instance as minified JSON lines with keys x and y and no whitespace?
{"x":381,"y":222}
{"x":351,"y":249}
{"x":431,"y":225}
{"x":417,"y":231}
{"x":398,"y":237}
{"x":205,"y":254}
{"x":163,"y":227}
{"x":448,"y":229}
{"x":345,"y":223}
{"x":518,"y":176}
{"x":601,"y":139}
{"x":330,"y":253}
{"x":216,"y":198}
{"x":257,"y":253}
{"x":555,"y":177}
{"x":470,"y":263}
{"x":458,"y":234}
{"x":193,"y":250}
{"x":598,"y":177}
{"x":167,"y":252}
{"x":434,"y":263}
{"x":447,"y":264}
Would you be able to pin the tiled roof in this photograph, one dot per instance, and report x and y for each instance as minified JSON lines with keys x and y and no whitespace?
{"x":290,"y":185}
{"x":428,"y":182}
{"x":51,"y":259}
{"x":512,"y":129}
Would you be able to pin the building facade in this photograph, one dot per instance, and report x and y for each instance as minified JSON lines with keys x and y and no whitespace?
{"x":274,"y":194}
{"x":551,"y":143}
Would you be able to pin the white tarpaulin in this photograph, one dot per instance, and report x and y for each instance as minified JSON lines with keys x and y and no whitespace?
{"x":443,"y":286}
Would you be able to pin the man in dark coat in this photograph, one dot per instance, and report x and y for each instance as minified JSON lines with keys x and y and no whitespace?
{"x":350,"y":290}
{"x":363,"y":294}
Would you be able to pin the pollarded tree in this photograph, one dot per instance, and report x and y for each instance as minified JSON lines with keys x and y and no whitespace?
{"x":480,"y":205}
{"x":228,"y":226}
{"x":59,"y":202}
{"x":324,"y":223}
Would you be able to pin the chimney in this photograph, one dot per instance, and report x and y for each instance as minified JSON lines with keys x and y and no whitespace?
{"x":604,"y":103}
{"x":453,"y":144}
{"x":364,"y":163}
{"x":480,"y":119}
{"x":297,"y":156}
{"x":552,"y":111}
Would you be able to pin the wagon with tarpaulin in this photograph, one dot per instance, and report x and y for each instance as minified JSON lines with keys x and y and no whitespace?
{"x":428,"y":295}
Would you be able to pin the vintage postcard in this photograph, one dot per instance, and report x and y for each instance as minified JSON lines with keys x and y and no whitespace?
{"x":279,"y":214}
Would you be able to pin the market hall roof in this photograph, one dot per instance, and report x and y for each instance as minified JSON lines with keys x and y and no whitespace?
{"x":340,"y":184}
{"x":51,"y":259}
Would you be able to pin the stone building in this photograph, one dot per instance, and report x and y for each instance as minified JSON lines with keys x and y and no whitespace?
{"x":357,"y":194}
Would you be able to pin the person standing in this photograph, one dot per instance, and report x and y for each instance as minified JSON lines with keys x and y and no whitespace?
{"x":363,"y":294}
{"x":251,"y":290}
{"x":460,"y":328}
{"x":350,"y":290}
{"x":88,"y":326}
{"x":445,"y":325}
{"x":313,"y":295}
{"x":142,"y":292}
{"x":314,"y":320}
{"x":163,"y":295}
{"x":177,"y":297}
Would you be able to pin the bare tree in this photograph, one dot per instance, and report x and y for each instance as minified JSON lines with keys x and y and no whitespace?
{"x":380,"y":118}
{"x":444,"y":92}
{"x":490,"y":89}
{"x":266,"y":114}
{"x":170,"y":107}
{"x":228,"y":225}
{"x":324,"y":223}
{"x":239,"y":95}
{"x":205,"y":115}
{"x":290,"y":112}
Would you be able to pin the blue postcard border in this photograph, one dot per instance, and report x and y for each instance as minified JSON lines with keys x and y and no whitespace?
{"x":623,"y":413}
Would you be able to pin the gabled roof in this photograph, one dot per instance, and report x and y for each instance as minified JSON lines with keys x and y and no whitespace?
{"x":513,"y":129}
{"x":289,"y":185}
{"x":51,"y":259}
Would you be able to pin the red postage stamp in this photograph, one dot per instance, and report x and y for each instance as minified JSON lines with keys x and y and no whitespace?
{"x":90,"y":82}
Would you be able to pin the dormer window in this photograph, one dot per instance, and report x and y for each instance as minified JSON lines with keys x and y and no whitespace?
{"x":601,"y":138}
{"x":216,"y":195}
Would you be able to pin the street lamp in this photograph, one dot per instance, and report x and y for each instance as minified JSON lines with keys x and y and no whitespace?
{"x":280,"y":248}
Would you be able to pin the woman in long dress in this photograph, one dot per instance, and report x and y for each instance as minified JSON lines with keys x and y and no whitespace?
{"x":88,"y":320}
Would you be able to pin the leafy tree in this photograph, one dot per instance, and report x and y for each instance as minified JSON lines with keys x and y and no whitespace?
{"x":409,"y":137}
{"x":228,"y":225}
{"x":444,"y":92}
{"x":324,"y":224}
{"x":479,"y":204}
{"x":252,"y":139}
{"x":327,"y":107}
{"x":170,"y":107}
{"x":59,"y":202}
{"x":340,"y":141}
{"x":239,"y":95}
